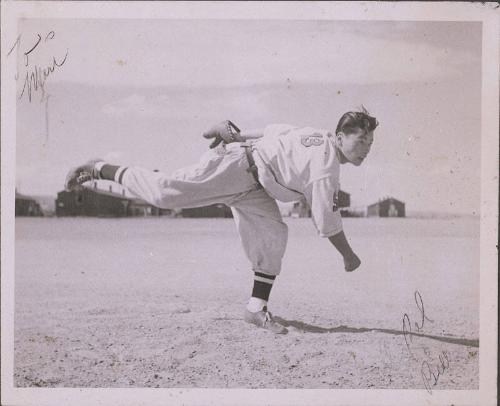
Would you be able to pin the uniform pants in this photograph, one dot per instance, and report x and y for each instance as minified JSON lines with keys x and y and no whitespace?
{"x":221,"y":176}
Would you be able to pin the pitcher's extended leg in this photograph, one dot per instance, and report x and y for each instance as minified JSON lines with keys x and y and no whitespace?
{"x":216,"y":178}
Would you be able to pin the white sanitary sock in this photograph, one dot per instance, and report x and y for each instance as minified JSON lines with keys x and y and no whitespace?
{"x":256,"y":305}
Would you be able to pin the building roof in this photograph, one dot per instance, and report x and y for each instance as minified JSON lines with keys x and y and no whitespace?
{"x":384,"y":199}
{"x":24,"y":197}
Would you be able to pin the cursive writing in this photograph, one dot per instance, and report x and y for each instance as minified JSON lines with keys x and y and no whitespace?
{"x":407,"y":329}
{"x":36,"y":75}
{"x":431,"y":373}
{"x":430,"y":369}
{"x":35,"y":78}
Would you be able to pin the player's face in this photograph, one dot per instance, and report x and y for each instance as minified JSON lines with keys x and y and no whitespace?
{"x":356,"y":145}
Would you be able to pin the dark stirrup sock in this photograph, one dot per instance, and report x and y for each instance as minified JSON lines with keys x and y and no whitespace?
{"x":262,"y":285}
{"x":113,"y":172}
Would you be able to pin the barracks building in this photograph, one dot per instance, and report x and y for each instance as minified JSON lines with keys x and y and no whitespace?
{"x":387,"y":207}
{"x":99,"y":203}
{"x":27,"y":206}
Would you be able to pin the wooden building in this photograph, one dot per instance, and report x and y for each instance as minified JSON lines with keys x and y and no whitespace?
{"x":386,"y":207}
{"x":99,"y":203}
{"x":27,"y":206}
{"x":214,"y":210}
{"x":302,"y":209}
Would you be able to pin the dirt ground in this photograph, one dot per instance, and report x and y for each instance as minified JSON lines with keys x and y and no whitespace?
{"x":159,"y":303}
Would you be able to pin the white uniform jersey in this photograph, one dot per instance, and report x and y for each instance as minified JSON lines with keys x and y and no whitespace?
{"x":302,"y":161}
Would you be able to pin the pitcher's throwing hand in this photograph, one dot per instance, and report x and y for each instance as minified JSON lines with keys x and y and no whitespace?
{"x":351,"y":262}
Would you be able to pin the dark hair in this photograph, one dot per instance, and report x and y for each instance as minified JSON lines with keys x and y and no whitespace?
{"x":353,"y":120}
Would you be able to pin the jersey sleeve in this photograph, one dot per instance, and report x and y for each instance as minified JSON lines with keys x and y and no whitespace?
{"x":321,"y":195}
{"x":277,"y":129}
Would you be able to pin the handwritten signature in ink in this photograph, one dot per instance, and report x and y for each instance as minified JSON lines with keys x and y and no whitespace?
{"x":430,"y":369}
{"x":35,"y":75}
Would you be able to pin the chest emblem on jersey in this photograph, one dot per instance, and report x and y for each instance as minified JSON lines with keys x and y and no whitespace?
{"x":315,"y":139}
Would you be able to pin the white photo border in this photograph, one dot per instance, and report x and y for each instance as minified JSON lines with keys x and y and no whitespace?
{"x":381,"y":11}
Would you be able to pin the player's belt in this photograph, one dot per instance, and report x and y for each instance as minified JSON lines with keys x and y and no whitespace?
{"x":252,"y":168}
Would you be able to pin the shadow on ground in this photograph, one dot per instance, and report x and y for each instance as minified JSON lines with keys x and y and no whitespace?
{"x":309,"y":328}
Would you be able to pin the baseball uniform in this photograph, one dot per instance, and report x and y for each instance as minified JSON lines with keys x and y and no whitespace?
{"x":292,"y":162}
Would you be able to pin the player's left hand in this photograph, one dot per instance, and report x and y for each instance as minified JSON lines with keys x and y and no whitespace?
{"x":351,"y":262}
{"x":226,"y":132}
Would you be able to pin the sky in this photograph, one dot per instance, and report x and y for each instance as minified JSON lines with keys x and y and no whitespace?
{"x":140,"y":92}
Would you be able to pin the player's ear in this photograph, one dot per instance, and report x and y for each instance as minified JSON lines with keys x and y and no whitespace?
{"x":340,"y":136}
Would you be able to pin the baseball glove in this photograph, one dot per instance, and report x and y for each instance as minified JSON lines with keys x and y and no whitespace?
{"x":226,"y":132}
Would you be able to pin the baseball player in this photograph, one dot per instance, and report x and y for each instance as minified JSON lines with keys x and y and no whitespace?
{"x":249,"y":171}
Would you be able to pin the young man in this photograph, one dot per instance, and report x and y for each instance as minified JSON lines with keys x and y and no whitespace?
{"x":249,"y":171}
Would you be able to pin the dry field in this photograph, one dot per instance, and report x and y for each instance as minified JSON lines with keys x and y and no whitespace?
{"x":159,"y":303}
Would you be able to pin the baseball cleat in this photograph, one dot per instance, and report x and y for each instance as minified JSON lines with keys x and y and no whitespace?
{"x":81,"y":174}
{"x":264,"y":319}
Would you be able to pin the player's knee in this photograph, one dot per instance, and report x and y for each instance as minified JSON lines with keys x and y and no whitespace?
{"x":167,"y":197}
{"x":157,"y":198}
{"x":164,"y":200}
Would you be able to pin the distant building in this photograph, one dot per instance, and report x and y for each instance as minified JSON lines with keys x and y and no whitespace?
{"x":302,"y":209}
{"x":99,"y":203}
{"x":352,"y":212}
{"x":387,"y":207}
{"x":27,"y":206}
{"x":214,"y":210}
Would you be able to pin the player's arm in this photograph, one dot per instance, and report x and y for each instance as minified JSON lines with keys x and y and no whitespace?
{"x":251,"y":134}
{"x":227,"y":132}
{"x":326,"y":217}
{"x":271,"y":129}
{"x":351,"y":260}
